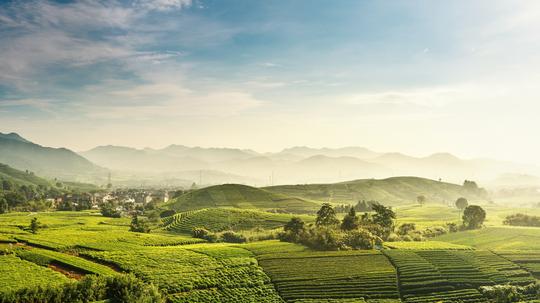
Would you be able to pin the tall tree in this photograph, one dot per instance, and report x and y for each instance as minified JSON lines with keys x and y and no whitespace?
{"x":326,"y":216}
{"x":384,"y":216}
{"x":462,"y":203}
{"x":473,"y":217}
{"x":350,"y":221}
{"x":295,"y":225}
{"x":421,"y":199}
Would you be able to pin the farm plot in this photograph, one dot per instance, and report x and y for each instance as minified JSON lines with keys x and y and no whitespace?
{"x":457,"y":271}
{"x":448,"y":275}
{"x":16,"y":273}
{"x":417,"y":276}
{"x":47,"y":257}
{"x":195,"y":272}
{"x":220,"y":219}
{"x":497,"y":268}
{"x":528,"y":260}
{"x":425,"y":245}
{"x":322,"y":276}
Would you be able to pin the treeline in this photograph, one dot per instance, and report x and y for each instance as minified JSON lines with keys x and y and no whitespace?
{"x":23,"y":197}
{"x":119,"y":289}
{"x":522,"y":220}
{"x":368,"y":230}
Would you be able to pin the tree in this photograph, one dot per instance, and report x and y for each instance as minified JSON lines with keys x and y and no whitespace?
{"x":139,"y":225}
{"x":421,"y":199}
{"x":350,"y":221}
{"x":7,"y":185}
{"x":384,"y":216}
{"x":294,"y":226}
{"x":4,"y":207}
{"x":108,"y":210}
{"x":34,"y":225}
{"x":473,"y":216}
{"x":470,"y":185}
{"x":406,"y":228}
{"x":326,"y":216}
{"x":462,"y":203}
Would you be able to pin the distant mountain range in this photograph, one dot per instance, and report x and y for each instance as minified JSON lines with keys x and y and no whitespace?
{"x":182,"y":165}
{"x":302,"y":164}
{"x":63,"y":163}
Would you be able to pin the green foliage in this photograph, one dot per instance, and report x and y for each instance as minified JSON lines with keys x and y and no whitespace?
{"x":331,"y":275}
{"x":473,"y":217}
{"x":222,"y":219}
{"x":34,"y":225}
{"x":4,"y":207}
{"x":497,"y":238}
{"x":139,"y":225}
{"x":350,"y":221}
{"x":118,"y":288}
{"x":108,"y":209}
{"x":462,"y":203}
{"x":326,"y":216}
{"x":46,"y":257}
{"x":522,"y":220}
{"x":384,"y":216}
{"x":232,"y":237}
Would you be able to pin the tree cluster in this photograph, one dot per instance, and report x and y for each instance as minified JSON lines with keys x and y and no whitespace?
{"x":352,"y":232}
{"x":522,"y":220}
{"x":121,"y":288}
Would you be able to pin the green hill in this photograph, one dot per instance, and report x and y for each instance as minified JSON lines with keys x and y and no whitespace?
{"x":239,"y":196}
{"x":391,"y":191}
{"x":20,"y":177}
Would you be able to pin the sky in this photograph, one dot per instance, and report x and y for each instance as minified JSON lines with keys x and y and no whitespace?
{"x":416,"y":77}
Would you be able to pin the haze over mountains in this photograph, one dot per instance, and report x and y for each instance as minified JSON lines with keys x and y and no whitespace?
{"x":182,"y":165}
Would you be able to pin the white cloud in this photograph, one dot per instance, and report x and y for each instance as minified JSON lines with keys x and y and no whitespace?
{"x":164,"y":5}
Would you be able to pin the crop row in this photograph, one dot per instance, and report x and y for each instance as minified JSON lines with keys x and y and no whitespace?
{"x":220,"y":219}
{"x":462,"y":295}
{"x":298,"y":276}
{"x":529,"y":260}
{"x":16,"y":273}
{"x":262,"y":294}
{"x":191,"y":273}
{"x":46,"y":257}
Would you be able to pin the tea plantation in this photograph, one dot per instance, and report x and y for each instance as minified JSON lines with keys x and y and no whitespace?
{"x":71,"y":245}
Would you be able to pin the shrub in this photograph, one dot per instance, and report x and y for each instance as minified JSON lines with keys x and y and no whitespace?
{"x":434,"y":231}
{"x":232,"y":237}
{"x":199,"y":232}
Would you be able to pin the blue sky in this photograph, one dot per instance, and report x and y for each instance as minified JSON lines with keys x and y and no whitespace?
{"x":411,"y":76}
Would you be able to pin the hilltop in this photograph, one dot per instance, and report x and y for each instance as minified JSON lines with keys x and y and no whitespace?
{"x":239,"y":196}
{"x":391,"y":191}
{"x":21,"y":177}
{"x":22,"y":154}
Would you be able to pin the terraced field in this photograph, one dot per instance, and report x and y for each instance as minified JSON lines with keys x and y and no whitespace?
{"x":240,"y":196}
{"x":528,"y":260}
{"x":321,"y":276}
{"x":220,"y":219}
{"x":16,"y":273}
{"x":441,"y":275}
{"x":48,"y":257}
{"x":194,"y":273}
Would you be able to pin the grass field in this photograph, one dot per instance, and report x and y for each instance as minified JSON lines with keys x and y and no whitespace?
{"x":239,"y":196}
{"x":497,"y":238}
{"x":448,"y":269}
